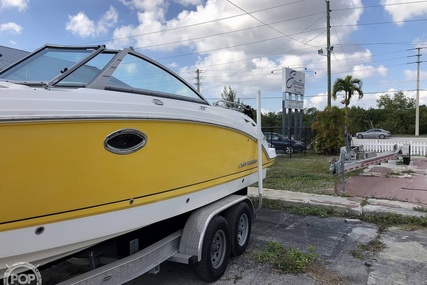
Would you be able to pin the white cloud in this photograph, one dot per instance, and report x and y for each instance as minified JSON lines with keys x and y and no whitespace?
{"x":234,"y":48}
{"x":189,"y":2}
{"x":401,"y":10}
{"x":21,"y":5}
{"x":411,"y":75}
{"x":413,"y":94}
{"x":82,"y":26}
{"x":10,"y":27}
{"x":362,"y":71}
{"x":153,"y":9}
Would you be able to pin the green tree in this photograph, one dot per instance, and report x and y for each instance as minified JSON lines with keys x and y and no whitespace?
{"x":329,"y":130}
{"x":402,"y":108}
{"x":309,"y":116}
{"x":230,"y":97}
{"x":359,"y":119}
{"x":349,"y":85}
{"x":271,"y":119}
{"x":397,"y":103}
{"x":423,"y":119}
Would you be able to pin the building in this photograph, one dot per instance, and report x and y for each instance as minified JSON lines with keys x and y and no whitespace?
{"x":10,"y":55}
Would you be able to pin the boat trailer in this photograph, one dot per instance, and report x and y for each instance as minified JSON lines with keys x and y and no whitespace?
{"x":356,"y":158}
{"x":183,"y":246}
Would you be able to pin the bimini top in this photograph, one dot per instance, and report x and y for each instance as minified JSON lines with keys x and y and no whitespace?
{"x":99,"y":68}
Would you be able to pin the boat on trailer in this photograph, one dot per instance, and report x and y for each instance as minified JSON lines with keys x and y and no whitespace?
{"x":96,"y":143}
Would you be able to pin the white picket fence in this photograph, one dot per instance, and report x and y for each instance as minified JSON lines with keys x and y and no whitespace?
{"x":417,"y":148}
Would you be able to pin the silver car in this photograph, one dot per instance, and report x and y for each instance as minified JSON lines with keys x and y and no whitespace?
{"x":374,"y":134}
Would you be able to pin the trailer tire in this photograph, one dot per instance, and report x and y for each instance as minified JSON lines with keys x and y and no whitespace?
{"x":239,"y":220}
{"x":215,"y":251}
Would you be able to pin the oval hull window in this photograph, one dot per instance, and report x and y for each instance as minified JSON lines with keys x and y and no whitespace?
{"x":125,"y":141}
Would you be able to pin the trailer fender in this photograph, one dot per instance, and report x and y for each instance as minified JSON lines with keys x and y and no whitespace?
{"x":196,"y":225}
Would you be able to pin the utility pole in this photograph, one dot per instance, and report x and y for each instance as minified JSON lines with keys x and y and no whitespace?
{"x":417,"y":102}
{"x":328,"y":48}
{"x":198,"y":80}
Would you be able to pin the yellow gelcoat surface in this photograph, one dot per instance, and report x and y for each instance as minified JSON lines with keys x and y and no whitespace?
{"x":57,"y":170}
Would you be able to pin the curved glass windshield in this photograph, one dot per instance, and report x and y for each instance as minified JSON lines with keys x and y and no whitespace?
{"x":99,"y":68}
{"x":137,"y":73}
{"x":45,"y":65}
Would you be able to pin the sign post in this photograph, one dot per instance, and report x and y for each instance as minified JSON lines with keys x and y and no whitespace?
{"x":293,"y":87}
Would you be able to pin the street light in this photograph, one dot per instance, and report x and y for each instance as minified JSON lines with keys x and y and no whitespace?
{"x":305,"y":68}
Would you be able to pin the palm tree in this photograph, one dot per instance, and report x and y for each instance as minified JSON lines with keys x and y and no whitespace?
{"x":230,"y":97}
{"x":349,"y":85}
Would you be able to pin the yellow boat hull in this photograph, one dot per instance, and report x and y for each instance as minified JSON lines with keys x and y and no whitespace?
{"x":60,"y":170}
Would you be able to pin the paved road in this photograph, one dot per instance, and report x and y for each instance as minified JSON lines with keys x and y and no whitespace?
{"x":403,"y":261}
{"x":392,"y":139}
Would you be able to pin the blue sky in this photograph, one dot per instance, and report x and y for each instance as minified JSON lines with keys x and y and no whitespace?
{"x":239,"y":43}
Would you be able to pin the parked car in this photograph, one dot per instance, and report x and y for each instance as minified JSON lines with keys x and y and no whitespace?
{"x":373,"y":134}
{"x":281,"y":142}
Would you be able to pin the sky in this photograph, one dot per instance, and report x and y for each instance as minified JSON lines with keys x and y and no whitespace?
{"x":244,"y":44}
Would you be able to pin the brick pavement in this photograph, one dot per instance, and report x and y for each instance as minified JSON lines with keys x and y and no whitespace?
{"x":392,"y":181}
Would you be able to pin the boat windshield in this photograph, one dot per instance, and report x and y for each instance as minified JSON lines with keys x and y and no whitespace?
{"x":45,"y":65}
{"x":99,"y":68}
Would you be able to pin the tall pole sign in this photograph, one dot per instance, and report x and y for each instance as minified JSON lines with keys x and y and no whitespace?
{"x":293,"y":88}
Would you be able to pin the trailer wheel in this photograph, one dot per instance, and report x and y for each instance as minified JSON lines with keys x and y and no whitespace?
{"x":215,"y":251}
{"x":239,"y":220}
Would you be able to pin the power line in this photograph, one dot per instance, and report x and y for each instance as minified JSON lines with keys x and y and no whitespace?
{"x":268,"y":25}
{"x":381,"y":5}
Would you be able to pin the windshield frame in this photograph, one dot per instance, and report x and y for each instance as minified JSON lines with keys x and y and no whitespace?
{"x":102,"y":75}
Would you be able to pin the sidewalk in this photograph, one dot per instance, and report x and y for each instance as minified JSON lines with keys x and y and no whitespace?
{"x":385,"y":188}
{"x":353,"y":204}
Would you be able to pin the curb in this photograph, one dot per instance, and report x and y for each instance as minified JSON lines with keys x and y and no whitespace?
{"x":353,"y":205}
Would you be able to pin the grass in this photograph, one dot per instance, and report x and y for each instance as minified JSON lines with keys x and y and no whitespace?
{"x":291,"y":260}
{"x":383,"y":221}
{"x":303,"y":209}
{"x":301,"y":172}
{"x":286,"y":260}
{"x":373,"y":246}
{"x":310,"y":173}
